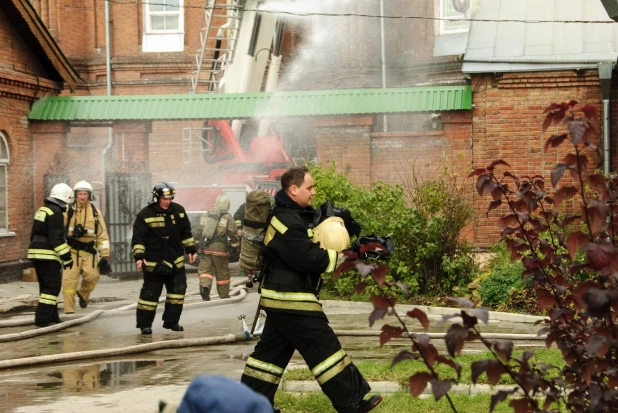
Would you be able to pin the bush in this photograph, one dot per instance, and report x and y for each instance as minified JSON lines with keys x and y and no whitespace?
{"x":503,"y":278}
{"x":424,"y":221}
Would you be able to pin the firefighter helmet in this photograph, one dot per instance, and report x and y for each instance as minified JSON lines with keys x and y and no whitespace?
{"x":61,"y":194}
{"x":332,"y":235}
{"x":223,"y":203}
{"x":83,"y":186}
{"x":162,"y":190}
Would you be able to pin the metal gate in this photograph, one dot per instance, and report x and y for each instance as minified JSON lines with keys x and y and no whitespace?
{"x":126,"y":195}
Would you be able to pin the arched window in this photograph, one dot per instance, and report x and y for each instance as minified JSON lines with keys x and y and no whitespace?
{"x":4,"y":184}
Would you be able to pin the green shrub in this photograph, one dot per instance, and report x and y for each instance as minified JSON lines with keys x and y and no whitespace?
{"x":504,"y":276}
{"x":425,"y":222}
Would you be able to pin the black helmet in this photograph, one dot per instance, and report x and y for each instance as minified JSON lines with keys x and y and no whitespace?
{"x":162,"y":189}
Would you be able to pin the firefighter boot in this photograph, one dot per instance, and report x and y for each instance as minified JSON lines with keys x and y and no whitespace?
{"x":369,"y":404}
{"x":205,"y":293}
{"x":173,"y":326}
{"x":82,"y":303}
{"x":146,"y":331}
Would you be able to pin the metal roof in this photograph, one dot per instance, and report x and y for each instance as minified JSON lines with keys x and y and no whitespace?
{"x":495,"y":46}
{"x":249,"y":105}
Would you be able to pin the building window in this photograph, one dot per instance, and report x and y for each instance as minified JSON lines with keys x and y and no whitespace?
{"x":4,"y":190}
{"x":457,"y":10}
{"x":164,"y":16}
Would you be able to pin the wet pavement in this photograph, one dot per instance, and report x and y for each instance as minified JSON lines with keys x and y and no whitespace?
{"x":136,"y":383}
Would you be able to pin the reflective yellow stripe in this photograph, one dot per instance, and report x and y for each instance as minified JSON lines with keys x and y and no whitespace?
{"x":41,"y":251}
{"x":328,"y":363}
{"x":139,"y":248}
{"x":265,"y":366}
{"x":154,"y":219}
{"x":181,"y":214}
{"x":278,"y":225}
{"x":179,"y":259}
{"x":238,"y":222}
{"x":332,"y":263}
{"x":146,"y":307}
{"x":261,"y":375}
{"x":181,"y":296}
{"x":333,"y":371}
{"x":189,"y":241}
{"x":310,"y":232}
{"x":148,"y":303}
{"x":276,"y":295}
{"x":49,"y":211}
{"x":69,"y":291}
{"x":290,"y":305}
{"x":49,"y":297}
{"x":157,"y":225}
{"x":175,"y":301}
{"x":50,"y":302}
{"x":169,"y":264}
{"x":62,"y":249}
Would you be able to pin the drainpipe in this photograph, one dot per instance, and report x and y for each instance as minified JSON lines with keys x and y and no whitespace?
{"x":605,"y":79}
{"x":110,"y":130}
{"x":382,"y":39}
{"x":273,"y":71}
{"x":248,"y":68}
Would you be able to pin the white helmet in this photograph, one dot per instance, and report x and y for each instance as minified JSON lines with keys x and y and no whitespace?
{"x":223,"y":203}
{"x":62,"y":193}
{"x":84,"y":186}
{"x":332,"y":235}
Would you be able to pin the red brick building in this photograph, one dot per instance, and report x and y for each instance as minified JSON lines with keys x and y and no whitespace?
{"x":31,"y":66}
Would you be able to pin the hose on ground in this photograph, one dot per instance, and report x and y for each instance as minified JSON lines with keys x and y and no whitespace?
{"x":51,"y":329}
{"x":138,"y":348}
{"x":20,"y":322}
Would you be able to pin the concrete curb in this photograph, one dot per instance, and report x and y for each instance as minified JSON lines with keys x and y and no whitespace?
{"x":390,"y":387}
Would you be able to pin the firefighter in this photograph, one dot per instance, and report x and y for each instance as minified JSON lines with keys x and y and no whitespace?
{"x":239,"y":219}
{"x":215,"y":250}
{"x":161,"y":236}
{"x":50,"y":252}
{"x":295,"y":319}
{"x":87,"y":237}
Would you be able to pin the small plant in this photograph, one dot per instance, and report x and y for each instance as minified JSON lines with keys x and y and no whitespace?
{"x":579,"y":298}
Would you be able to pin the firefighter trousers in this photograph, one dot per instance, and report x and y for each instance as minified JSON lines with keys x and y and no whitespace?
{"x":175,"y":285}
{"x":215,"y":264}
{"x":49,"y":275}
{"x":84,"y":264}
{"x":315,"y":340}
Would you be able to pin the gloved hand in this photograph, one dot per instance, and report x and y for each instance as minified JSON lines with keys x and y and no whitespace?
{"x":373,"y":246}
{"x":105,"y":267}
{"x":67,"y":264}
{"x":163,"y":270}
{"x":233,"y":254}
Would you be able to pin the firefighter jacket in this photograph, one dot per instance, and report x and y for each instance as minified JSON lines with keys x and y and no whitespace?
{"x":294,"y":262}
{"x":239,"y":217}
{"x":96,"y":238}
{"x":47,"y":240}
{"x":162,"y":236}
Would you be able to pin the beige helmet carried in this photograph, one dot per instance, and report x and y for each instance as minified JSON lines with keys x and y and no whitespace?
{"x":332,"y":235}
{"x":222,"y":203}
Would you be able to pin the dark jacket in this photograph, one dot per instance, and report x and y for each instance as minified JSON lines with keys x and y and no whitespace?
{"x":162,"y":236}
{"x":239,"y":216}
{"x":295,"y":262}
{"x":47,"y":240}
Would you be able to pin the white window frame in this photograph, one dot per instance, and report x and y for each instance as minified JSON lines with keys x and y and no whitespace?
{"x":443,"y":4}
{"x":148,"y":22}
{"x":4,"y":163}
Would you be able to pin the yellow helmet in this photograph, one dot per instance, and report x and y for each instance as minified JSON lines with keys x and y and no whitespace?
{"x":223,"y":203}
{"x":332,"y":235}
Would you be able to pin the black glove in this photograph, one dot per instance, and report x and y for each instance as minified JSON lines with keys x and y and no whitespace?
{"x":163,"y":270}
{"x":67,"y":264}
{"x":362,"y":246}
{"x":233,"y":254}
{"x":105,"y":267}
{"x":328,"y":209}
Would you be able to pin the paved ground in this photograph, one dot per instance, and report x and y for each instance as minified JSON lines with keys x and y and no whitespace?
{"x":136,"y":383}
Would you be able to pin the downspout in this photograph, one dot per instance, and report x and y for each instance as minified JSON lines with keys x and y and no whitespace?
{"x":605,"y":79}
{"x":110,"y":130}
{"x":248,"y":68}
{"x":382,"y":40}
{"x":273,"y":71}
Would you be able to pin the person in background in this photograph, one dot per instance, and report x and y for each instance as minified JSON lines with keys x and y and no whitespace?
{"x":50,"y":252}
{"x":161,"y":236}
{"x":87,"y":237}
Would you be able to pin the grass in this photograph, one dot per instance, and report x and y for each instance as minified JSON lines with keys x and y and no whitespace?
{"x":392,"y":403}
{"x":381,"y":371}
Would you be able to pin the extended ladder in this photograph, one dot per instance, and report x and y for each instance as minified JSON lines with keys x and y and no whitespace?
{"x":217,"y":43}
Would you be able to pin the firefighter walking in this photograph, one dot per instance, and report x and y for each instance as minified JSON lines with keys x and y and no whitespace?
{"x":161,"y":236}
{"x":87,"y":237}
{"x":218,"y":238}
{"x":50,"y":252}
{"x":295,"y":319}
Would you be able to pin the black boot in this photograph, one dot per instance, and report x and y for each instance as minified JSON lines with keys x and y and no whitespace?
{"x":205,"y":293}
{"x":173,"y":326}
{"x":82,"y":303}
{"x":146,"y":331}
{"x":369,"y":404}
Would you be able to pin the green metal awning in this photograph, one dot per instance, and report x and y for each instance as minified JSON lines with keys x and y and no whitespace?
{"x":250,"y":105}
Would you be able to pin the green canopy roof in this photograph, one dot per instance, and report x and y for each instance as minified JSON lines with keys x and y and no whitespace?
{"x":249,"y":105}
